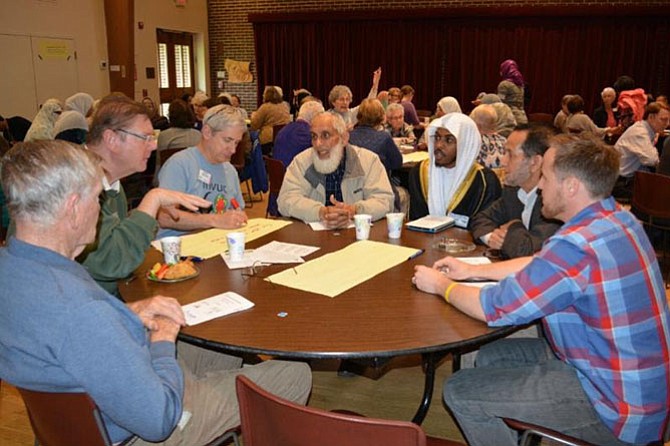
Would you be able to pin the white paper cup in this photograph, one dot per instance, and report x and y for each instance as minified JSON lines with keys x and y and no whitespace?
{"x":394,"y":222}
{"x":235,"y":246}
{"x":362,"y":223}
{"x":171,"y":247}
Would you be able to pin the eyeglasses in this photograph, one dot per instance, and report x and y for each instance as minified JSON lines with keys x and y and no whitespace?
{"x":447,"y":139}
{"x":146,"y":138}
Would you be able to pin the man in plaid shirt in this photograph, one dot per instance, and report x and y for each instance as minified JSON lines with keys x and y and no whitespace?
{"x":602,"y":373}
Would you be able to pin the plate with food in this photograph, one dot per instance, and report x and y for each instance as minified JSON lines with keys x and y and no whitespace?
{"x":178,"y":272}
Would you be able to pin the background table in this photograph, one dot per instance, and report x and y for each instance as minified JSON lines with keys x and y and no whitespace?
{"x":381,"y":318}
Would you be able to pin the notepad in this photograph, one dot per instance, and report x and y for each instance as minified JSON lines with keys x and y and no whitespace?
{"x":430,"y":224}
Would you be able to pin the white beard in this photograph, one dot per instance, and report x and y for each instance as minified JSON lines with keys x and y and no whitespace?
{"x":328,"y":165}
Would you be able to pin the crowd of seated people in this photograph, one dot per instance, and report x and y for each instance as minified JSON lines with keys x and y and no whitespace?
{"x":542,"y":214}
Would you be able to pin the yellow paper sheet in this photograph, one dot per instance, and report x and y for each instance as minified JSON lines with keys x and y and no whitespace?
{"x":211,"y":243}
{"x":414,"y":157}
{"x":335,"y":273}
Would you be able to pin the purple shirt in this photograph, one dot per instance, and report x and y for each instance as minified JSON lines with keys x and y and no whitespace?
{"x":291,"y":140}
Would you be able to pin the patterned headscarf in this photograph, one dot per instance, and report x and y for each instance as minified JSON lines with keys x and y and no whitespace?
{"x":510,"y":72}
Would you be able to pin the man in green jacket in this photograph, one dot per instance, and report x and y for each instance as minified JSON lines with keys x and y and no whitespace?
{"x":122,"y":135}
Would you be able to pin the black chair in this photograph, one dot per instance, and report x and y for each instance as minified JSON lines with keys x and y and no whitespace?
{"x":276,"y":172}
{"x":531,"y":432}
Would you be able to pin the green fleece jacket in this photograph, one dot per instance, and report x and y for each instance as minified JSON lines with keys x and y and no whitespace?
{"x":121,"y":241}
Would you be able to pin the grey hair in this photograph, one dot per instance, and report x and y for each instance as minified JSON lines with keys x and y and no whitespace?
{"x":223,"y":116}
{"x":608,"y":89}
{"x":38,"y":177}
{"x":310,"y":109}
{"x":337,"y":92}
{"x":338,"y":123}
{"x":395,"y":107}
{"x":485,"y":117}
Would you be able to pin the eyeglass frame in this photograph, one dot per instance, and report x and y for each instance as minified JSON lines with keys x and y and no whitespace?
{"x":148,"y":139}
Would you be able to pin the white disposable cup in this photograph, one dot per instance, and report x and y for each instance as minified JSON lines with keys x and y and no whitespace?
{"x":426,"y":121}
{"x":235,"y":245}
{"x":171,"y":247}
{"x":394,"y":222}
{"x":362,"y":223}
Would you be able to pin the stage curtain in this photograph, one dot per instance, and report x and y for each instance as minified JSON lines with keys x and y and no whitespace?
{"x":460,"y":56}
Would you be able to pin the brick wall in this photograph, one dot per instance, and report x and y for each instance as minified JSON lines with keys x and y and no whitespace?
{"x":231,"y":34}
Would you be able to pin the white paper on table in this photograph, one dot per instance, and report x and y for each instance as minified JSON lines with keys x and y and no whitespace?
{"x":293,"y":249}
{"x":475,"y":260}
{"x":318,"y":226}
{"x":215,"y":306}
{"x":477,"y":284}
{"x":260,"y":257}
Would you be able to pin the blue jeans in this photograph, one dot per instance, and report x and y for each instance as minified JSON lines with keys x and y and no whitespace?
{"x":521,"y":379}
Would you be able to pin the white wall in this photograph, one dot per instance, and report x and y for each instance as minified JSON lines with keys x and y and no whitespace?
{"x":80,"y":20}
{"x":164,"y":14}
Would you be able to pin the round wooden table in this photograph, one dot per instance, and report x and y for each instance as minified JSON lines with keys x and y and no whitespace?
{"x":383,"y":317}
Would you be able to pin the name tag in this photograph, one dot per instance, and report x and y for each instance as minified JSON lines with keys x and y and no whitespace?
{"x":460,"y":221}
{"x":205,"y":177}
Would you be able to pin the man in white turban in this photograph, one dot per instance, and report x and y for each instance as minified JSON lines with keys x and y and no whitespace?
{"x":451,"y":182}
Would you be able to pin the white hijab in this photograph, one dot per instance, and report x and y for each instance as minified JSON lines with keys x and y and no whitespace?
{"x":449,"y":104}
{"x":443,"y":182}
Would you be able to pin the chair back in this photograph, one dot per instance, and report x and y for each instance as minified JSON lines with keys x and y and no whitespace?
{"x":651,"y":195}
{"x":275,"y":131}
{"x":276,"y":172}
{"x":64,"y":419}
{"x":541,"y":117}
{"x":267,"y":419}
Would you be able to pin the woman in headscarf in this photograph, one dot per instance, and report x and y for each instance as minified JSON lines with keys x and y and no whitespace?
{"x":511,"y":89}
{"x":446,"y":105}
{"x":43,"y":124}
{"x":72,"y":125}
{"x":451,"y":182}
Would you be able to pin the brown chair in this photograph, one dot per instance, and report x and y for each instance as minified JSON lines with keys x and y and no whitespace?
{"x":276,"y":172}
{"x":651,"y":203}
{"x":424,"y":114}
{"x":267,"y":419}
{"x":530,"y":432}
{"x":541,"y":117}
{"x":65,"y":419}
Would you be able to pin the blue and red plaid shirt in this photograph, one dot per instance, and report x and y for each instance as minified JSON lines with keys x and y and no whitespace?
{"x":597,"y":286}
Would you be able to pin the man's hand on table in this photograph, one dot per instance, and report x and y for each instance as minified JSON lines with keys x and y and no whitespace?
{"x":338,"y":215}
{"x":165,"y":329}
{"x":151,"y":309}
{"x":498,"y":235}
{"x":233,"y":219}
{"x":430,"y":280}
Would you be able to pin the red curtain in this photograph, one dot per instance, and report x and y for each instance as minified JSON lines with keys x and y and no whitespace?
{"x":460,"y":55}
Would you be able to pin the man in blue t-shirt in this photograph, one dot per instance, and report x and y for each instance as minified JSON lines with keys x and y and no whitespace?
{"x":205,"y":171}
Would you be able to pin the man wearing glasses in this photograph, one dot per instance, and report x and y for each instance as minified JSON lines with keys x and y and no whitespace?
{"x":451,"y":182}
{"x":205,"y":170}
{"x":122,"y":135}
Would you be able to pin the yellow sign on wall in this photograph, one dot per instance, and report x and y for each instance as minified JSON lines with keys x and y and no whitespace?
{"x":54,"y":49}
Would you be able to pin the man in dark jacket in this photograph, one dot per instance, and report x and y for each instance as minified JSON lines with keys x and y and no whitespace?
{"x":513,"y":223}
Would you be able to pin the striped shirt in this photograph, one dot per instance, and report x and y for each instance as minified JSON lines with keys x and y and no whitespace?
{"x":597,"y":286}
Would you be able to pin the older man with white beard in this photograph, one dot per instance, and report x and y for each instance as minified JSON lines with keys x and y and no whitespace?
{"x":332,"y":181}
